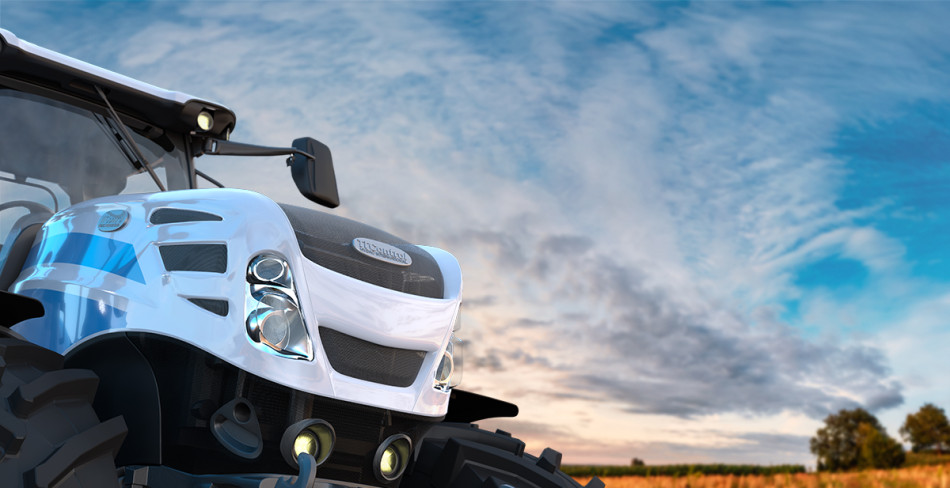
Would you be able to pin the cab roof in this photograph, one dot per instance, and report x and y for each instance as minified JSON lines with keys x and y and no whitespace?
{"x":26,"y":62}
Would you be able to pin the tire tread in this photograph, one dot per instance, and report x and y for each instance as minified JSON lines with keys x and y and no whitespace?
{"x":50,"y":435}
{"x":19,"y":353}
{"x":102,"y":440}
{"x":54,"y":386}
{"x":463,"y":456}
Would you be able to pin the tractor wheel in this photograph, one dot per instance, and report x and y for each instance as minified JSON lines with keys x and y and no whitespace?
{"x":455,"y":455}
{"x":50,"y":437}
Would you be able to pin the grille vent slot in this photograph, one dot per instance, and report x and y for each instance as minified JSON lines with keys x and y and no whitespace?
{"x":177,"y":215}
{"x":211,"y":258}
{"x":217,"y":307}
{"x":371,"y":362}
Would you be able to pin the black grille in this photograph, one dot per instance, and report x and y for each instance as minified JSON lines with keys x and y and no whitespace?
{"x":371,"y":362}
{"x":176,"y":215}
{"x":212,"y":258}
{"x":218,"y":307}
{"x":328,"y":241}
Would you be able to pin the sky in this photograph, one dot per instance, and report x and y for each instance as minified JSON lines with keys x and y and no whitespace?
{"x":688,"y":231}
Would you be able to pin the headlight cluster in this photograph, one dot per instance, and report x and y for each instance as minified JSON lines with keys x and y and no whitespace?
{"x":449,"y":372}
{"x":273,"y":312}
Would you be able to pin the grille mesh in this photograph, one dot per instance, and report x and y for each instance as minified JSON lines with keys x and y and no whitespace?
{"x":371,"y":362}
{"x":218,"y":307}
{"x":212,"y":258}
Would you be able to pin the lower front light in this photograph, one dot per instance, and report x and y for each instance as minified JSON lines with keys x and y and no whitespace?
{"x":389,"y":463}
{"x":315,"y":437}
{"x":392,"y":457}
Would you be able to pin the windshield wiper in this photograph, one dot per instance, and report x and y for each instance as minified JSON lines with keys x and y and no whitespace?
{"x":125,"y":136}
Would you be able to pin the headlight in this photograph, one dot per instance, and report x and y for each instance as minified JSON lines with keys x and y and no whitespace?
{"x":449,"y":372}
{"x":204,"y":121}
{"x":270,"y":269}
{"x":444,"y":372}
{"x":273,"y":314}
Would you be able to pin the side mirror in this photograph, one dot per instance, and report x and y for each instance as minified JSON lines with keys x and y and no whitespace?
{"x":315,"y":177}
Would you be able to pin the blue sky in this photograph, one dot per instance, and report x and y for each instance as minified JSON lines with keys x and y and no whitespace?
{"x":688,"y":231}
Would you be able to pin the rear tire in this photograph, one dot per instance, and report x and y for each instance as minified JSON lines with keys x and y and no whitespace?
{"x":50,"y":436}
{"x":463,"y":456}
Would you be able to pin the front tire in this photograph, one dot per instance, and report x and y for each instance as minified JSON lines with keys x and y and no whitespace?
{"x":455,"y":455}
{"x":50,"y":436}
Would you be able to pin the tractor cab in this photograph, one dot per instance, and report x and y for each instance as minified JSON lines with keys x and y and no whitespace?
{"x":54,"y":155}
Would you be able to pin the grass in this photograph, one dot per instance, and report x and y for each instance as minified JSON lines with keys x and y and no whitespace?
{"x":921,"y":476}
{"x":677,"y":470}
{"x":926,"y":459}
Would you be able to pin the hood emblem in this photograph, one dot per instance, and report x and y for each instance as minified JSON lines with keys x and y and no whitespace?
{"x":381,"y":251}
{"x":113,"y":220}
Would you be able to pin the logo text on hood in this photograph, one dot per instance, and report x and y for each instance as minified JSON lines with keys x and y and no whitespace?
{"x":382,"y":251}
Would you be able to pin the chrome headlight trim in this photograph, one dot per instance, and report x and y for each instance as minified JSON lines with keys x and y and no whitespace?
{"x":273,"y":320}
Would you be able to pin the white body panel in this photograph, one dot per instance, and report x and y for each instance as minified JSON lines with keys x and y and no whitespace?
{"x":155,"y":300}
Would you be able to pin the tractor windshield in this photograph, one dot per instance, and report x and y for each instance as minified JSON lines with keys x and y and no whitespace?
{"x":53,"y":154}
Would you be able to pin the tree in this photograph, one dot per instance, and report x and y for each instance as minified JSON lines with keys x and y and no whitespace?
{"x":854,"y":439}
{"x":927,"y":429}
{"x":637,"y":462}
{"x":878,"y":450}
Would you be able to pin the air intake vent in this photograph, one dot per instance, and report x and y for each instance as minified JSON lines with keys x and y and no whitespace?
{"x":211,"y":258}
{"x":371,"y":362}
{"x":177,"y":215}
{"x":217,"y":307}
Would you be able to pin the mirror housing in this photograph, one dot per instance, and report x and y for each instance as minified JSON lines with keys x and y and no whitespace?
{"x":315,"y":177}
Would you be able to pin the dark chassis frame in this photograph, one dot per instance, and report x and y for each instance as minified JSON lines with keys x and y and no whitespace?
{"x":168,"y":392}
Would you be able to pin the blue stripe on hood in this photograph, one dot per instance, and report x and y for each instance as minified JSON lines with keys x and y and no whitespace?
{"x":88,"y":250}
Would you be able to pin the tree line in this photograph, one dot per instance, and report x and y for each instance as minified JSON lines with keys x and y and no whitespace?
{"x":682,"y":470}
{"x":855,"y":439}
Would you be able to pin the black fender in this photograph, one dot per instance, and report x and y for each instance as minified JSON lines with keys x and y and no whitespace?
{"x":128,"y":388}
{"x":467,"y":407}
{"x":16,"y":309}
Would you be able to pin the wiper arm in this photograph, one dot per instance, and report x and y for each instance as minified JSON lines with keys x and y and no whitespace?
{"x":136,"y":152}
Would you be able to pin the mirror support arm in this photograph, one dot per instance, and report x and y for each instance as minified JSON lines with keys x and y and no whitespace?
{"x":221,"y":147}
{"x":310,"y":161}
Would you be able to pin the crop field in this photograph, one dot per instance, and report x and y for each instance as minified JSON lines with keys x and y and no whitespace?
{"x":912,"y":477}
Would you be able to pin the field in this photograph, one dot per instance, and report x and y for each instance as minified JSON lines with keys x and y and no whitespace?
{"x":911,"y":477}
